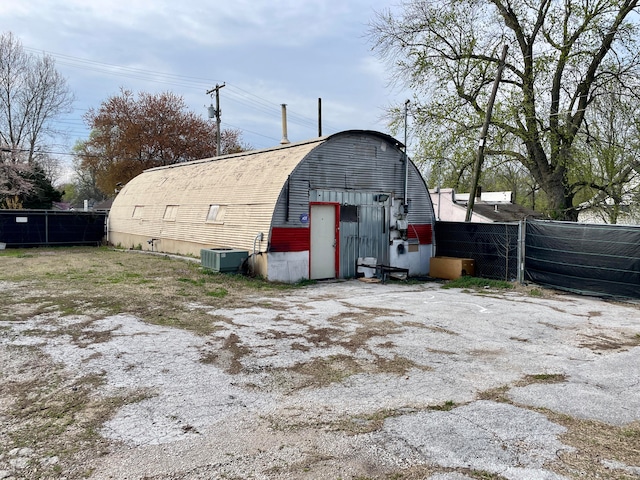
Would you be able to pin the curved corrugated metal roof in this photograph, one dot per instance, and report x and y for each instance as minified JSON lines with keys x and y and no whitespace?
{"x":248,"y":183}
{"x":258,"y":174}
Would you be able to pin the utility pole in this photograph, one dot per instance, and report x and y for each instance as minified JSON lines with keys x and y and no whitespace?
{"x":406,"y":160}
{"x":217,"y":114}
{"x":483,"y":137}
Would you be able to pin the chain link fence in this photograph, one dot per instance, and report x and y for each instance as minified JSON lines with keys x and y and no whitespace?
{"x":601,"y":260}
{"x":492,"y":246}
{"x":35,"y":228}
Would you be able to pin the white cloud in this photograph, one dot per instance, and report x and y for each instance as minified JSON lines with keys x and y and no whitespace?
{"x":279,"y":51}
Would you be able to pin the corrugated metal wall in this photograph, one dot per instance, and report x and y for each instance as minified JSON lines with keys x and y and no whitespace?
{"x":349,"y":169}
{"x":353,"y":162}
{"x":368,"y":236}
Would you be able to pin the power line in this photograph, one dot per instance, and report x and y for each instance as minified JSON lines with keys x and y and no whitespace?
{"x":242,"y":96}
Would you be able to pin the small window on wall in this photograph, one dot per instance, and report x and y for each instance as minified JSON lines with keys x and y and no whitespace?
{"x":216,"y":213}
{"x":138,"y":210}
{"x":349,"y":213}
{"x":170,"y":213}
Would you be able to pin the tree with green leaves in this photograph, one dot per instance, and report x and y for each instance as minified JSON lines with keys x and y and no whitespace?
{"x":610,"y":168}
{"x":562,"y":57}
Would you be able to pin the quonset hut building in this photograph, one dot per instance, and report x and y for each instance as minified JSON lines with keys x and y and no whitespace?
{"x":306,"y":210}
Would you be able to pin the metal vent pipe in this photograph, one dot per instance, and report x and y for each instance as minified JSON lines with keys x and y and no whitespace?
{"x":284,"y":140}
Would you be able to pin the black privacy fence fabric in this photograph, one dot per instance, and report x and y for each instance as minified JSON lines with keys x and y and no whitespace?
{"x":601,"y":260}
{"x":32,"y":228}
{"x":492,"y":246}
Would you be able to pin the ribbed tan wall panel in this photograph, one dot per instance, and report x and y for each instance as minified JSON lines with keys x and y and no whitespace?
{"x":248,"y":184}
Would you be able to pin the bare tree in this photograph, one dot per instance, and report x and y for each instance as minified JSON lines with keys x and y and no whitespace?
{"x":32,"y":95}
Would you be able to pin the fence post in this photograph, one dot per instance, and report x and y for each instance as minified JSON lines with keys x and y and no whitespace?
{"x":522,"y":231}
{"x":46,"y":227}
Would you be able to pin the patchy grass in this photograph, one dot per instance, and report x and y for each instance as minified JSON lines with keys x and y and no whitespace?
{"x":103,"y":281}
{"x":614,"y":341}
{"x":53,"y":418}
{"x":598,"y":447}
{"x":477,"y":283}
{"x":543,"y":378}
{"x":218,"y":293}
{"x":360,"y":424}
{"x":228,"y":356}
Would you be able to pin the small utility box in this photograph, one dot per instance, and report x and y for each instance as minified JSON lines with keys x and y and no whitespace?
{"x":224,"y":260}
{"x":450,"y":268}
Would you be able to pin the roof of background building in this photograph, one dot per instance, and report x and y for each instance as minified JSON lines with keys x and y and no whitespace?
{"x":505,"y":212}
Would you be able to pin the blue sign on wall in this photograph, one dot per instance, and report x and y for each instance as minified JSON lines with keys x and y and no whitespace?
{"x":304,"y":218}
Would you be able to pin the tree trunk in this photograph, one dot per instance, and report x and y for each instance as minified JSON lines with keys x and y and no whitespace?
{"x":560,"y":200}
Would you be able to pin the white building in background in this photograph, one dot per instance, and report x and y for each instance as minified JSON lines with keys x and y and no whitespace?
{"x":449,"y":206}
{"x":598,"y":210}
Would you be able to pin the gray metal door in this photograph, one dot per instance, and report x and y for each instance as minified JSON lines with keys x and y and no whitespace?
{"x":373,"y":233}
{"x":363,"y":233}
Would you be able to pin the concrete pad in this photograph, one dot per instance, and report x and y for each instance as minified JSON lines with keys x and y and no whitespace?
{"x":605,"y":389}
{"x":487,"y":436}
{"x":198,"y":420}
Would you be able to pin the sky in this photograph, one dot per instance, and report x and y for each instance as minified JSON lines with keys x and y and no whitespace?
{"x":266,"y":52}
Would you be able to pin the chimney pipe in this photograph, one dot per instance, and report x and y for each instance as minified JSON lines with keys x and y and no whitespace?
{"x":284,"y":140}
{"x":319,"y":117}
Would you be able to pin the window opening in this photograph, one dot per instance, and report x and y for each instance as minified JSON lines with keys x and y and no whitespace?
{"x":216,"y":213}
{"x":170,"y":213}
{"x":138,"y":210}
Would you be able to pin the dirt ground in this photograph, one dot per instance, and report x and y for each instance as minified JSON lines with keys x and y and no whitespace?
{"x":122,"y":365}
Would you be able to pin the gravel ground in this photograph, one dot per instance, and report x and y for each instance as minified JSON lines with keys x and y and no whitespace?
{"x":351,"y":380}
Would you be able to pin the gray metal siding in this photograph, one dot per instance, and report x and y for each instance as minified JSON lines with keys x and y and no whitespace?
{"x":368,"y":236}
{"x":352,"y":162}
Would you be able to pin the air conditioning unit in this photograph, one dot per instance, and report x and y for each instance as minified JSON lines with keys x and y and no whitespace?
{"x":224,"y":260}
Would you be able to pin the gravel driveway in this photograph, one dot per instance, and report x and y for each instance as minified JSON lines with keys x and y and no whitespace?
{"x":353,"y":380}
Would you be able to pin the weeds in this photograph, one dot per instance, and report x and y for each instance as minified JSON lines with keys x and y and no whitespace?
{"x":54,"y":420}
{"x":477,"y":283}
{"x":103,"y":281}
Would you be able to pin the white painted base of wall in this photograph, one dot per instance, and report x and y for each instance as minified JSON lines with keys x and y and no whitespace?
{"x":416,"y":262}
{"x":289,"y":267}
{"x":426,"y":252}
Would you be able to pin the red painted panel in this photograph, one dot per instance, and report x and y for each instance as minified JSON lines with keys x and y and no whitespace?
{"x":290,"y":239}
{"x":423,"y":233}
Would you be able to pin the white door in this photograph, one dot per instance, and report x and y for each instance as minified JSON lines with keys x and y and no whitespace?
{"x":323,"y":242}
